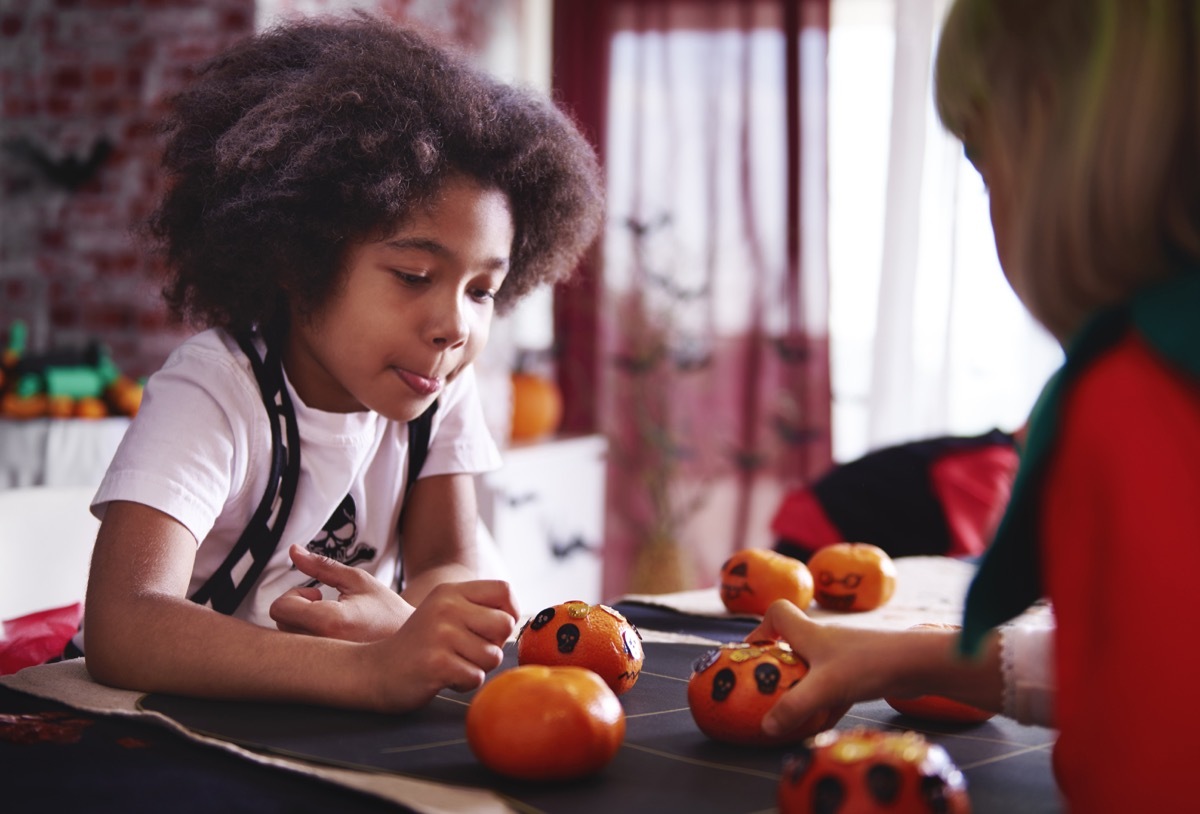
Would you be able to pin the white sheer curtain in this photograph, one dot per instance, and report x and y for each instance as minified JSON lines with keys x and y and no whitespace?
{"x":927,"y":338}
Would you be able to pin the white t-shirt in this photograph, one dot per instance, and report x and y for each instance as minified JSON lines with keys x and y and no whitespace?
{"x":199,"y":451}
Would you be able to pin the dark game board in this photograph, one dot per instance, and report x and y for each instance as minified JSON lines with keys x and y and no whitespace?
{"x":665,"y":764}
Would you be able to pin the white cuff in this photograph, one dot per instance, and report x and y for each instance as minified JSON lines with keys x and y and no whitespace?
{"x":1027,"y":666}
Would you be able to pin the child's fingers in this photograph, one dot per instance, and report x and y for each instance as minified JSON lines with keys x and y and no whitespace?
{"x":798,"y":705}
{"x":336,"y":575}
{"x":491,"y":593}
{"x":783,"y":620}
{"x":298,"y":611}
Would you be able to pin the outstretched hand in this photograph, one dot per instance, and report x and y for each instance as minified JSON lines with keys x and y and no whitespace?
{"x":846,"y":665}
{"x":365,"y":610}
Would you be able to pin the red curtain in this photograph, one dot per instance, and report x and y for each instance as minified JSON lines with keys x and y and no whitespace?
{"x":695,"y":338}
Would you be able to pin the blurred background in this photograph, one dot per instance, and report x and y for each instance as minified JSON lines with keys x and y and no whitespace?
{"x":797,"y":267}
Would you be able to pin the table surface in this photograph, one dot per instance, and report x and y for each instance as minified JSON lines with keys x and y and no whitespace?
{"x":129,"y":764}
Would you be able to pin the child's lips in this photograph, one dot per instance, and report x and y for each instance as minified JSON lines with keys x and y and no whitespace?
{"x":421,"y":384}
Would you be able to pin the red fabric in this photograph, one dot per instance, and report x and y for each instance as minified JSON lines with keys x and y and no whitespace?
{"x":802,"y":519}
{"x":973,"y":488}
{"x":1121,"y":554}
{"x":37,"y":637}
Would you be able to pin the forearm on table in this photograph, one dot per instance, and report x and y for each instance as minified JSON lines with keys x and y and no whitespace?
{"x":929,"y":663}
{"x":169,"y":644}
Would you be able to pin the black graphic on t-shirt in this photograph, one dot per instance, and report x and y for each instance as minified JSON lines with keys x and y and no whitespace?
{"x":337,"y":539}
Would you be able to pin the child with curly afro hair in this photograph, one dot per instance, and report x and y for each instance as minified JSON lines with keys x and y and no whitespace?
{"x":348,"y":204}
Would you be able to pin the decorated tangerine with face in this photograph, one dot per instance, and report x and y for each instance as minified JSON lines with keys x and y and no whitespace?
{"x":852,"y":576}
{"x":868,"y":771}
{"x":755,"y":577}
{"x":545,"y":723}
{"x":593,"y":636}
{"x":937,"y":707}
{"x":733,"y":686}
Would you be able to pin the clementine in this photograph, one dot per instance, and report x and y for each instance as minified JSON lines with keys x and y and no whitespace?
{"x":872,"y":772}
{"x":593,"y":636}
{"x":852,"y":576}
{"x":755,"y":577}
{"x":545,"y":723}
{"x":536,"y":406}
{"x":733,"y":686}
{"x":937,"y":707}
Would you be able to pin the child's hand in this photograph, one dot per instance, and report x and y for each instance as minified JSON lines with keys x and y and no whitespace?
{"x":451,"y":641}
{"x":366,"y":610}
{"x":844,"y":667}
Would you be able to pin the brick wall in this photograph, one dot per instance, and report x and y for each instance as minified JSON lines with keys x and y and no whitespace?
{"x":81,"y":86}
{"x":81,"y":83}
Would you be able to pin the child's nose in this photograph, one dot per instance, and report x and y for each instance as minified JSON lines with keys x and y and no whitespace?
{"x":450,"y":329}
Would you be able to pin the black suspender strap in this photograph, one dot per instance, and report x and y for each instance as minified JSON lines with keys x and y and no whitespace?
{"x":244,"y":564}
{"x":419,"y":431}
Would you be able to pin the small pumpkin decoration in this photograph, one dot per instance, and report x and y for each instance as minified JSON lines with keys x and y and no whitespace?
{"x":755,"y":577}
{"x":937,"y":707}
{"x":852,"y":576}
{"x":872,"y":772}
{"x":537,"y":406}
{"x":575,"y":633}
{"x":733,"y":686}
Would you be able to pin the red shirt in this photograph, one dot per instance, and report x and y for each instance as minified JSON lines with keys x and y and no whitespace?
{"x":1121,"y":561}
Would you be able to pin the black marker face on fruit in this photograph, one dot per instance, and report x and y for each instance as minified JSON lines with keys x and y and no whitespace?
{"x":723,"y":683}
{"x":568,"y":637}
{"x":735,"y":579}
{"x":837,"y":593}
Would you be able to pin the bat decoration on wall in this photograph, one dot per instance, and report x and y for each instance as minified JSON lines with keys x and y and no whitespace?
{"x":69,"y":172}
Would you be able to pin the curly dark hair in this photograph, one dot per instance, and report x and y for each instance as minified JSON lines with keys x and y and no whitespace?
{"x":311,"y":137}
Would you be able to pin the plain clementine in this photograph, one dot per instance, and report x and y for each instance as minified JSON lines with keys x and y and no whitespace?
{"x":872,"y":772}
{"x":593,"y":636}
{"x":852,"y":576}
{"x":733,"y":686}
{"x":753,"y":578}
{"x":545,"y":723}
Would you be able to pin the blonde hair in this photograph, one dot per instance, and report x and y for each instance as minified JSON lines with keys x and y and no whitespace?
{"x":1096,"y":104}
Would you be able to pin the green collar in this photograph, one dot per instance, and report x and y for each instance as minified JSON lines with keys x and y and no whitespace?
{"x":1167,"y":317}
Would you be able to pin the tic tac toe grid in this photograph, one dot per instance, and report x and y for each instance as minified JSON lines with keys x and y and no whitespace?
{"x":665,"y":764}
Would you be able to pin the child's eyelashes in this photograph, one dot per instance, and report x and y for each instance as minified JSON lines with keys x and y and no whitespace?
{"x":411,"y":277}
{"x":484,"y":295}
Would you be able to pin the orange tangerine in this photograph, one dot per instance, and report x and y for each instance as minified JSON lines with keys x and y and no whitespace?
{"x":755,"y":577}
{"x":545,"y":723}
{"x":593,"y":636}
{"x":733,"y":686}
{"x":852,"y":576}
{"x":872,"y":772}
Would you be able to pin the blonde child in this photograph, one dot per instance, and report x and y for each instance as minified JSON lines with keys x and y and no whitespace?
{"x":347,"y":205}
{"x":1083,"y":117}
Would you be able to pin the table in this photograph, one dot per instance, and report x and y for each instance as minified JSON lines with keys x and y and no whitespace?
{"x":158,"y":752}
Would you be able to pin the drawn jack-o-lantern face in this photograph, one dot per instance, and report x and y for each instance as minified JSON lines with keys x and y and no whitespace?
{"x":868,"y":771}
{"x":755,"y":577}
{"x":734,"y":685}
{"x":852,"y":576}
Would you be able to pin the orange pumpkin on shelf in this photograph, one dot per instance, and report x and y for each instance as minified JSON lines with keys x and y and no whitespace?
{"x":593,"y":636}
{"x":733,"y":686}
{"x":852,"y":576}
{"x":545,"y":723}
{"x":937,"y":707}
{"x":537,"y":406}
{"x":755,"y":577}
{"x":872,"y":772}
